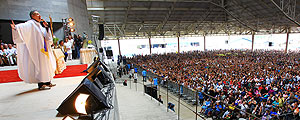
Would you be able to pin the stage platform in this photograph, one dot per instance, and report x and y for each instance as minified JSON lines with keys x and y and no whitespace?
{"x":69,"y":62}
{"x":21,"y":101}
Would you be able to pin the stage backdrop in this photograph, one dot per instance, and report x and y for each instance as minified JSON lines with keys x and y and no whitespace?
{"x":18,"y":10}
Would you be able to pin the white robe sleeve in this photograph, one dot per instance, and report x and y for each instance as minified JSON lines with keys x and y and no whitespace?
{"x":20,"y":31}
{"x":16,"y":36}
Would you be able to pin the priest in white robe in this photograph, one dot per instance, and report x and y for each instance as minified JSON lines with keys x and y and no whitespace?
{"x":36,"y":62}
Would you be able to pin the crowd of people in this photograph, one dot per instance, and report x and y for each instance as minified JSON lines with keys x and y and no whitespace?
{"x":8,"y":54}
{"x":234,"y":83}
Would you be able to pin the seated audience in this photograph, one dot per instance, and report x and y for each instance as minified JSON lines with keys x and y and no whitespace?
{"x":234,"y":83}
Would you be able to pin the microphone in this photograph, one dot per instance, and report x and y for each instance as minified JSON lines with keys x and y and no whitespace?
{"x":44,"y":23}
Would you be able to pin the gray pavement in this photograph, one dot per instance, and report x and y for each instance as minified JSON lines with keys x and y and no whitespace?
{"x":135,"y":105}
{"x":137,"y":90}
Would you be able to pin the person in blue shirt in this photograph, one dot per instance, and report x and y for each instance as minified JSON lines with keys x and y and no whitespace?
{"x":144,"y":73}
{"x":155,"y":81}
{"x":273,"y":113}
{"x":205,"y":106}
{"x":201,"y":98}
{"x":135,"y":70}
{"x":218,"y":108}
{"x":275,"y":103}
{"x":128,"y":68}
{"x":171,"y":106}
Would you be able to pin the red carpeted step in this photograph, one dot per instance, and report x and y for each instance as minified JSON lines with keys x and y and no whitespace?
{"x":70,"y":71}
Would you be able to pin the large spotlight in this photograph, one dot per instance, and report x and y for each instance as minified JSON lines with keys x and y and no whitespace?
{"x":72,"y":30}
{"x":103,"y":76}
{"x":70,"y":19}
{"x":71,"y":24}
{"x":104,"y":66}
{"x":80,"y":103}
{"x":93,"y":65}
{"x":85,"y":99}
{"x":92,"y":76}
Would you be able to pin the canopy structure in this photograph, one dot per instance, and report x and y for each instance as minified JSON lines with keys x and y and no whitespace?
{"x":144,"y":18}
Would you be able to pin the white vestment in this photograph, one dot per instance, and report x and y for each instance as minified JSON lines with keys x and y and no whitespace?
{"x":34,"y":65}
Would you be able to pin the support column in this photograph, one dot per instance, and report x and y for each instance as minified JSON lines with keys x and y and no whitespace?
{"x":287,"y":39}
{"x":119,"y":47}
{"x":178,"y":43}
{"x":204,"y":42}
{"x":252,"y":48}
{"x":150,"y":46}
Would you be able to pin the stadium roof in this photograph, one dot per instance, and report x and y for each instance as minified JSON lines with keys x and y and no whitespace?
{"x":124,"y":18}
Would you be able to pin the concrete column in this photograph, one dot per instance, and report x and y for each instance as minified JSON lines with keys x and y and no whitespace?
{"x":204,"y":43}
{"x":287,"y":39}
{"x":119,"y":46}
{"x":150,"y":46}
{"x":253,"y":33}
{"x":178,"y":43}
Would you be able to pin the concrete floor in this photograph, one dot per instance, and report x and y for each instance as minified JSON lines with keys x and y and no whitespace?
{"x":184,"y":110}
{"x":135,"y":105}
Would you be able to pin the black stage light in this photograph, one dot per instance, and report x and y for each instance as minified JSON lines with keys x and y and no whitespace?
{"x":104,"y":66}
{"x":86,"y":99}
{"x":103,"y":76}
{"x":93,"y":65}
{"x":92,"y":76}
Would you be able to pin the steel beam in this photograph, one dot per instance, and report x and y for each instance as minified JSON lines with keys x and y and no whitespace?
{"x":287,"y":39}
{"x":119,"y":47}
{"x":252,"y":47}
{"x":204,"y":42}
{"x":178,"y":42}
{"x":150,"y":46}
{"x":168,"y":15}
{"x":286,"y":14}
{"x":237,"y":19}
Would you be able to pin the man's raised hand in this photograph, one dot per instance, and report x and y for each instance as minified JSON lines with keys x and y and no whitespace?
{"x":13,"y":26}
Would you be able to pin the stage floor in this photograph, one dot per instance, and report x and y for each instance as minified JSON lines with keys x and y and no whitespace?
{"x":21,"y":101}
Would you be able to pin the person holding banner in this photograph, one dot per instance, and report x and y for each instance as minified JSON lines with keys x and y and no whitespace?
{"x":36,"y":62}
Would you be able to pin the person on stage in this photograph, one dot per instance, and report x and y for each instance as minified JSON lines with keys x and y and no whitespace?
{"x":36,"y":62}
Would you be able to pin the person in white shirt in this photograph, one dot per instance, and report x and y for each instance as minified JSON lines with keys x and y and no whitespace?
{"x":3,"y":54}
{"x":268,"y":81}
{"x":12,"y":54}
{"x":69,"y":45}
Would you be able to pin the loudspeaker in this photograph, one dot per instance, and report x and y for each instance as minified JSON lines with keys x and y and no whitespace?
{"x":96,"y":100}
{"x":109,"y":53}
{"x":151,"y":90}
{"x":101,"y":50}
{"x":101,"y":31}
{"x":270,"y":43}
